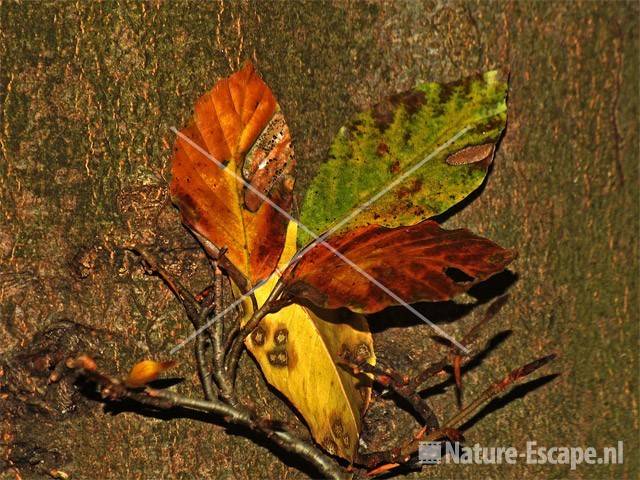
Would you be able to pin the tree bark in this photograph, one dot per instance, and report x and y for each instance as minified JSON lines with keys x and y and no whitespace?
{"x":88,"y":93}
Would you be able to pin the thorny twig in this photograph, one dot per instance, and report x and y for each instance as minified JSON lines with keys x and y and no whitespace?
{"x":388,"y":460}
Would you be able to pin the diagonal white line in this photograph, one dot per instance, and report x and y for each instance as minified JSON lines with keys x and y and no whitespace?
{"x":320,"y":241}
{"x":220,"y":315}
{"x":375,"y":197}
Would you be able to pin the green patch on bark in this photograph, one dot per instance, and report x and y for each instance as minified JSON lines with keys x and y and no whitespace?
{"x":417,"y":139}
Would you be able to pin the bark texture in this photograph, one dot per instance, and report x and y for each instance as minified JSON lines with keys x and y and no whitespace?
{"x":88,"y":92}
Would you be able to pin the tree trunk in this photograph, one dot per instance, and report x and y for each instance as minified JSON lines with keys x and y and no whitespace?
{"x":88,"y":94}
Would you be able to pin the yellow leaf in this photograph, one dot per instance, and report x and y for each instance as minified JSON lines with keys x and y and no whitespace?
{"x":297,"y":350}
{"x":146,"y":371}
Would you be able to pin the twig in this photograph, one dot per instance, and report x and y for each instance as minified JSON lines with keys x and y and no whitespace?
{"x":397,"y":456}
{"x":218,"y":254}
{"x":270,"y":305}
{"x":492,"y":391}
{"x":205,"y":377}
{"x":114,"y":390}
{"x":487,"y":395}
{"x":387,"y":377}
{"x":188,"y":301}
{"x":220,"y":373}
{"x":196,"y":314}
{"x":467,"y":341}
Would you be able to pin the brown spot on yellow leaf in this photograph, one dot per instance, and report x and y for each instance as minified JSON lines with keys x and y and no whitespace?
{"x":277,"y":358}
{"x":258,"y":336}
{"x":280,"y":337}
{"x":336,"y":427}
{"x":363,"y":352}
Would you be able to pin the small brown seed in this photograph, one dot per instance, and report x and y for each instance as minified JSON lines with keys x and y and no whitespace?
{"x":472,"y":154}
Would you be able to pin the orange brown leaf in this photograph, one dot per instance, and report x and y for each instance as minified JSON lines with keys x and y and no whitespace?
{"x":422,"y":262}
{"x":238,"y":124}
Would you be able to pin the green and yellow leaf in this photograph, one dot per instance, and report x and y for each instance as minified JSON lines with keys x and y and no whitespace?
{"x":380,"y":144}
{"x":298,"y":350}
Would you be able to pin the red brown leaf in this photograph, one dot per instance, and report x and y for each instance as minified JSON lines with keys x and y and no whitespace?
{"x":422,"y":262}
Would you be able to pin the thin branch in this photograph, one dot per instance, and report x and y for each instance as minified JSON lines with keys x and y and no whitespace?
{"x":202,"y":365}
{"x":113,"y":389}
{"x":220,"y":373}
{"x":218,"y":254}
{"x":491,"y":392}
{"x":197,"y":314}
{"x":270,"y":305}
{"x":188,"y":301}
{"x":389,"y":378}
{"x":449,"y":429}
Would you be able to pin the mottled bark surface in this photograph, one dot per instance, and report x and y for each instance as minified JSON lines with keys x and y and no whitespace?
{"x":88,"y":93}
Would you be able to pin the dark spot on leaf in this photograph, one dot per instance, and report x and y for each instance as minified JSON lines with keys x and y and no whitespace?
{"x":330,"y":446}
{"x":382,"y":149}
{"x":277,"y":358}
{"x":395,"y":167}
{"x":384,"y":111}
{"x":280,"y":337}
{"x":409,"y":189}
{"x":362,"y":351}
{"x":258,"y":336}
{"x":337,"y":427}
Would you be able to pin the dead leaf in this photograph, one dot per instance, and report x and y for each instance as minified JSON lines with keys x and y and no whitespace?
{"x":239,"y":124}
{"x":298,"y":350}
{"x":422,"y":262}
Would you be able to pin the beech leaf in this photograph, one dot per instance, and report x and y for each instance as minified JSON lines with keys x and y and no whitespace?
{"x":398,"y":134}
{"x":423,"y":262}
{"x":239,"y":124}
{"x":298,"y":349}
